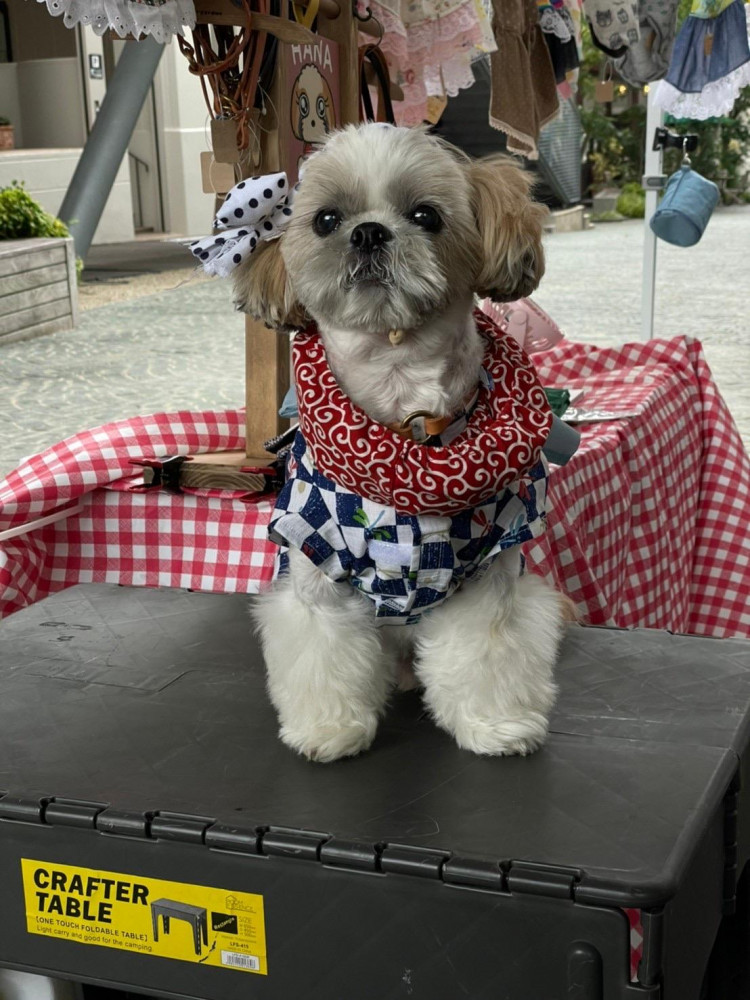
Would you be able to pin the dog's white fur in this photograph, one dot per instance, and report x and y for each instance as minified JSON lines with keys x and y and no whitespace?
{"x":485,"y":656}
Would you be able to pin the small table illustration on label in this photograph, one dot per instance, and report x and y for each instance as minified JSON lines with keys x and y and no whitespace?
{"x":196,"y":916}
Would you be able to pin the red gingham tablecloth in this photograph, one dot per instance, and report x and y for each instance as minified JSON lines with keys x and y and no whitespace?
{"x":648,"y":523}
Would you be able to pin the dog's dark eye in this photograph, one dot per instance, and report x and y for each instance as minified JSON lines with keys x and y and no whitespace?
{"x":426,"y":217}
{"x":327,"y":221}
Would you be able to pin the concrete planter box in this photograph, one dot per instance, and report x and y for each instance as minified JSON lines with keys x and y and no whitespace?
{"x":605,"y":200}
{"x":38,"y":288}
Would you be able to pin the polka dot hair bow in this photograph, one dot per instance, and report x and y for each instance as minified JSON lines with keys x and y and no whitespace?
{"x":255,"y":210}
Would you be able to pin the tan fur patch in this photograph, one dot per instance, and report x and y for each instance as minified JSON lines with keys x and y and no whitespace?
{"x":262,"y":289}
{"x":510,"y":229}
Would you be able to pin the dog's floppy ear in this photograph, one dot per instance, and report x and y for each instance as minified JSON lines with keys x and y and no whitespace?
{"x":262,"y":289}
{"x":511,"y":261}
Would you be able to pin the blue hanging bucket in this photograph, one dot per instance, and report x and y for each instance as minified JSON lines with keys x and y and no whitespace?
{"x":685,"y":208}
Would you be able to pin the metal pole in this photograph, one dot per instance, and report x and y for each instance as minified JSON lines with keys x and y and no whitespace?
{"x":108,"y":141}
{"x":652,"y":182}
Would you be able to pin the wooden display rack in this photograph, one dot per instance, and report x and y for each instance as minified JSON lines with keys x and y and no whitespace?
{"x":267,"y":368}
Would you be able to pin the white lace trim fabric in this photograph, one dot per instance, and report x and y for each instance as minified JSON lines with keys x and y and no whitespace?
{"x":556,"y":22}
{"x":159,"y":18}
{"x":715,"y":100}
{"x":429,"y":46}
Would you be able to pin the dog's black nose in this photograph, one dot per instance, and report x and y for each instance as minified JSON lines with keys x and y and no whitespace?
{"x":368,"y":236}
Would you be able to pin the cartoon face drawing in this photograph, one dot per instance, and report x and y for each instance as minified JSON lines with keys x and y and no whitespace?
{"x":622,"y":15}
{"x":632,"y":35}
{"x":603,"y":18}
{"x":312,"y":112}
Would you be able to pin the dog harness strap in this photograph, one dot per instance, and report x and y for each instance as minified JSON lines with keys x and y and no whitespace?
{"x":503,"y":438}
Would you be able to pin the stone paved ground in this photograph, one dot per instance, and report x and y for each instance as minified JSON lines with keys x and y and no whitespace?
{"x":183,"y":347}
{"x":593,"y":289}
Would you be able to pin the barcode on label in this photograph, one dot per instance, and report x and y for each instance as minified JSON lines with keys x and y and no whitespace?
{"x":239,"y":961}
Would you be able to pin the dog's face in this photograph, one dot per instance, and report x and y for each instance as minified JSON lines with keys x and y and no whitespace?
{"x":312,"y":106}
{"x":390,"y":227}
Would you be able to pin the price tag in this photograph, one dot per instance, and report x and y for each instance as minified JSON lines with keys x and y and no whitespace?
{"x":605,"y":91}
{"x":224,"y":140}
{"x":217,"y":178}
{"x":435,"y":108}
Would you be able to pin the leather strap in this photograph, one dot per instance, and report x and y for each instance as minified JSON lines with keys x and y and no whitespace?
{"x":373,"y":54}
{"x":306,"y":15}
{"x":232,"y":92}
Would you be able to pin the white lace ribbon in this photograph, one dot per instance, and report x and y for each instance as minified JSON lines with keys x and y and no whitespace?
{"x":159,"y":18}
{"x":255,"y":211}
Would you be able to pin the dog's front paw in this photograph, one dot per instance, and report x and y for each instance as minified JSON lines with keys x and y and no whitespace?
{"x":324,"y":743}
{"x":521,"y":734}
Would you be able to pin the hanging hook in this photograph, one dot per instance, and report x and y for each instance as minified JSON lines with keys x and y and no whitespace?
{"x":664,"y":139}
{"x":686,"y":162}
{"x":378,"y":24}
{"x":357,"y":16}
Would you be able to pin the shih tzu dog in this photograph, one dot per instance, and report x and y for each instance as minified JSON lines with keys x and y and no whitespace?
{"x":417,"y":469}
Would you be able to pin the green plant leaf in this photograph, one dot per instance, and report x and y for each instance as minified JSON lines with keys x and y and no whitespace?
{"x":23,"y":218}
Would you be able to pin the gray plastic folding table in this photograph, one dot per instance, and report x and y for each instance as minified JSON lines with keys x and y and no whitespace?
{"x":136,"y":739}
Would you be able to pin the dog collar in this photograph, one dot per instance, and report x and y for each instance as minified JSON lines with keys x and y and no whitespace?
{"x":503,"y":438}
{"x":421,"y":424}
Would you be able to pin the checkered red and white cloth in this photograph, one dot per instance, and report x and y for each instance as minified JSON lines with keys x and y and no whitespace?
{"x":635,"y":922}
{"x":649,"y":522}
{"x":203,"y":540}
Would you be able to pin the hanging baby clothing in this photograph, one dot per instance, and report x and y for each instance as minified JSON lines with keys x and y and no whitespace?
{"x":711,"y":61}
{"x":559,"y":34}
{"x":614,"y":24}
{"x":430,"y":46}
{"x":159,"y":18}
{"x":648,"y":58}
{"x":575,"y":12}
{"x":524,"y":92}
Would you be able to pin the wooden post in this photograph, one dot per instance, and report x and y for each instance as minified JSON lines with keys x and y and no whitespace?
{"x":267,"y":370}
{"x":266,"y":383}
{"x":343,"y":30}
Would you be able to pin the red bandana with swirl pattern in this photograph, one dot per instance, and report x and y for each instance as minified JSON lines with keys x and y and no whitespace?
{"x":502,"y":440}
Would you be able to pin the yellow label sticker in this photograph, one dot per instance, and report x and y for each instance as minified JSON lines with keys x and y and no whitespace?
{"x":191,"y":923}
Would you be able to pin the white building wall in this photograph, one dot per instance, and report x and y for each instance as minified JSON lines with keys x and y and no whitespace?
{"x":183,"y":124}
{"x":45,"y":100}
{"x":50,"y":98}
{"x":49,"y":101}
{"x":47,"y":174}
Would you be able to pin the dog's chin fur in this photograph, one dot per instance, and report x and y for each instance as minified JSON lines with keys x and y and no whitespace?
{"x":485,"y":656}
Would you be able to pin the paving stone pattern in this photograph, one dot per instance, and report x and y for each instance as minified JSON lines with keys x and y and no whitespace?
{"x":593,"y":290}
